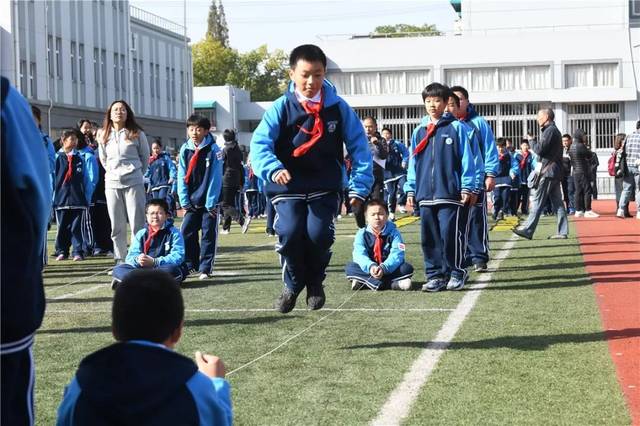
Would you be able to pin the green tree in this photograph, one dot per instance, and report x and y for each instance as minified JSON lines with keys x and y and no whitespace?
{"x":217,"y":24}
{"x":222,"y":25}
{"x":213,"y":63}
{"x":261,"y":72}
{"x":406,"y":30}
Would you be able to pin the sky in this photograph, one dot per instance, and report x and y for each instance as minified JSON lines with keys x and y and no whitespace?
{"x":284,"y":24}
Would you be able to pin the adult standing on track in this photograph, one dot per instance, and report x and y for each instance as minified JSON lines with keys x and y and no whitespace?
{"x":632,"y":153}
{"x":124,"y":153}
{"x":549,"y":150}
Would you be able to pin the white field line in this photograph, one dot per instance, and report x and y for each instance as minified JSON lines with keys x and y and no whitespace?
{"x":252,"y":310}
{"x":401,"y":400}
{"x":76,"y":293}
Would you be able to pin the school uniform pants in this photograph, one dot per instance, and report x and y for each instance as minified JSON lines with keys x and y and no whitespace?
{"x":164,"y":193}
{"x":228,"y":205}
{"x":252,"y":203}
{"x":513,"y":199}
{"x":354,"y":272}
{"x":478,"y":236}
{"x":200,"y":252}
{"x":70,"y":231}
{"x":125,"y":204}
{"x":306,"y":232}
{"x":500,"y":199}
{"x":444,"y":240}
{"x":394,"y":190}
{"x":548,"y":191}
{"x":270,"y":212}
{"x":101,"y":226}
{"x":523,"y":199}
{"x":18,"y":380}
{"x":179,"y":272}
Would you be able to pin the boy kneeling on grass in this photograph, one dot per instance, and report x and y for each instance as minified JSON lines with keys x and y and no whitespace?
{"x":159,"y":245}
{"x":140,"y":380}
{"x":378,"y":253}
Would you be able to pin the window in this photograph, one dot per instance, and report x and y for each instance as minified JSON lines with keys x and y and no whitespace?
{"x":74,"y":65}
{"x":116,"y":71}
{"x":135,"y":76}
{"x":123,"y":76}
{"x":23,"y":78}
{"x":151,"y":78}
{"x":81,"y":62}
{"x":392,"y":82}
{"x":103,"y":65}
{"x":342,"y":81}
{"x":599,"y":121}
{"x":50,"y":55}
{"x":173,"y":84}
{"x":157,"y":80}
{"x":168,"y":83}
{"x":366,"y":83}
{"x":96,"y":66}
{"x":182,"y":86}
{"x":501,"y":78}
{"x":141,"y":77}
{"x":591,"y":75}
{"x":417,"y":81}
{"x":32,"y":80}
{"x":58,"y":57}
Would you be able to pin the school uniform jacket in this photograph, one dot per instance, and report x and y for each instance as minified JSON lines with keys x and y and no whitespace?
{"x":167,"y":246}
{"x":392,"y":248}
{"x":445,"y":168}
{"x":161,"y":171}
{"x":205,"y":182}
{"x":485,"y":139}
{"x":282,"y":129}
{"x":77,"y":192}
{"x":507,"y":167}
{"x":396,"y":148}
{"x":26,"y":201}
{"x":143,"y":383}
{"x":524,"y":169}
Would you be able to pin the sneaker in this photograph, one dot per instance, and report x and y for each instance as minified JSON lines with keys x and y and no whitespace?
{"x":579,"y":213}
{"x":433,"y":285}
{"x":455,"y":284}
{"x":315,"y":297}
{"x":500,"y":215}
{"x":403,"y":284}
{"x":480,"y":267}
{"x":392,"y":216}
{"x":356,"y":285}
{"x":402,"y":210}
{"x":203,"y":276}
{"x":270,"y":233}
{"x":61,"y":257}
{"x":572,"y":211}
{"x":286,"y":301}
{"x":521,"y":233}
{"x":114,"y":284}
{"x":78,"y":258}
{"x":245,"y":225}
{"x":224,"y":232}
{"x":591,"y":213}
{"x":558,"y":237}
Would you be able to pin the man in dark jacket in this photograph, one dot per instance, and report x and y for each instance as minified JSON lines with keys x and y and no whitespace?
{"x":549,"y":151}
{"x":232,"y":182}
{"x":581,"y":164}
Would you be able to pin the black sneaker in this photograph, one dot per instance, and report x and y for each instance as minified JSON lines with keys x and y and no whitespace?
{"x":521,"y":233}
{"x":114,"y":284}
{"x":286,"y":301}
{"x":315,"y":297}
{"x":480,"y":267}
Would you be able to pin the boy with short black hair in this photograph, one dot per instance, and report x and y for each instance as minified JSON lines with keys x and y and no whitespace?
{"x":140,"y":379}
{"x":163,"y":175}
{"x":507,"y":173}
{"x":297,"y":150}
{"x":158,"y":245}
{"x":441,"y":181}
{"x":378,"y":253}
{"x":199,"y":186}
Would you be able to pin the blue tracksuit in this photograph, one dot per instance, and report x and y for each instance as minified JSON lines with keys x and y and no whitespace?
{"x":523,"y":172}
{"x":478,"y":248}
{"x":395,"y":174}
{"x":143,"y":383}
{"x":507,"y":172}
{"x":252,"y":190}
{"x":26,"y":200}
{"x":306,"y":206}
{"x":437,"y":177}
{"x":163,"y":176}
{"x":393,"y":263}
{"x":167,"y":250}
{"x":199,"y":197}
{"x":71,"y":201}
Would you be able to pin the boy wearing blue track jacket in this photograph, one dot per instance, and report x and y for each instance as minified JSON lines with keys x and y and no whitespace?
{"x":162,"y":175}
{"x":140,"y":379}
{"x":525,"y":166}
{"x":441,"y":181}
{"x":378,"y":253}
{"x":297,"y":150}
{"x":507,"y":173}
{"x":395,"y":174}
{"x":199,"y":186}
{"x":158,"y":245}
{"x":478,"y":248}
{"x":73,"y":188}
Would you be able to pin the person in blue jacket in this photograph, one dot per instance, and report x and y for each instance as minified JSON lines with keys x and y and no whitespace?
{"x":26,"y":197}
{"x":441,"y":181}
{"x":395,"y":174}
{"x":524,"y":157}
{"x":507,"y":173}
{"x":73,"y":189}
{"x":297,"y":150}
{"x":378,"y":253}
{"x":163,"y":175}
{"x":140,"y":379}
{"x":199,"y":186}
{"x":478,"y":248}
{"x":159,"y":245}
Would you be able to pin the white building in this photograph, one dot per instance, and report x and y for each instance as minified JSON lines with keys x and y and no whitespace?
{"x":73,"y":58}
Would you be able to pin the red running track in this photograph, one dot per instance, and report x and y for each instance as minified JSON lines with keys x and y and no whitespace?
{"x":611,"y":250}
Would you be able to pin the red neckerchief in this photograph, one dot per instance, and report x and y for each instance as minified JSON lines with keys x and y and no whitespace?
{"x":431,"y":129}
{"x":251,"y":173}
{"x":69,"y":174}
{"x":192,"y":164}
{"x":523,"y":162}
{"x":153,"y":158}
{"x":313,"y":109}
{"x":377,"y":247}
{"x":147,"y":242}
{"x":500,"y":157}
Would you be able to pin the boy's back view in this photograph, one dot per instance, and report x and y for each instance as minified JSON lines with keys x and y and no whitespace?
{"x":140,"y":380}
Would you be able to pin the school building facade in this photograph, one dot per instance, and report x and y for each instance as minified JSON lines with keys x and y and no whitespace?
{"x":73,"y":58}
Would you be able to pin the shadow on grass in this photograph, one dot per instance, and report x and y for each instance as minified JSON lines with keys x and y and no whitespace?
{"x":244,"y":249}
{"x":547,"y":284}
{"x":193,"y":283}
{"x":522,"y":343}
{"x":568,"y":265}
{"x":187,"y":323}
{"x":81,"y":300}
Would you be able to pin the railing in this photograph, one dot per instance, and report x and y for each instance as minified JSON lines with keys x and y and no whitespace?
{"x":155,"y":20}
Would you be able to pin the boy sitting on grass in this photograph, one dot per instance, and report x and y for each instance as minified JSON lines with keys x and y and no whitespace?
{"x":140,"y":380}
{"x":378,"y":253}
{"x":159,"y":245}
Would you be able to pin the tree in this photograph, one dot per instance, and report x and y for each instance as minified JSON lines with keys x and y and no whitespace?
{"x":222,"y":25}
{"x":406,"y":30}
{"x":262,"y":73}
{"x":217,"y":24}
{"x":213,"y":63}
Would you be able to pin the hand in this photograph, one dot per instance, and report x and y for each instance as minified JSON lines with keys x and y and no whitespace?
{"x":145,"y":261}
{"x":376,"y":271}
{"x":355,"y":203}
{"x":468,"y":199}
{"x":213,"y":212}
{"x":210,"y":365}
{"x":411,"y":202}
{"x":489,"y":183}
{"x":282,"y":177}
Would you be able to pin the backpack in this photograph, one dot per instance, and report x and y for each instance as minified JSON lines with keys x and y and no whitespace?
{"x":394,"y":159}
{"x":611,"y":164}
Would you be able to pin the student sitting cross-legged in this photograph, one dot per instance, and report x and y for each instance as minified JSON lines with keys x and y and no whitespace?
{"x":140,"y":380}
{"x":378,"y":253}
{"x":158,"y":245}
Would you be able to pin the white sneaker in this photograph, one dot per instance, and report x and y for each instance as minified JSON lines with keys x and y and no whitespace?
{"x":620,"y":213}
{"x":224,"y":232}
{"x":204,"y":276}
{"x":591,"y":213}
{"x":356,"y":285}
{"x":245,"y":225}
{"x":403,"y":284}
{"x":579,"y":213}
{"x":402,"y":210}
{"x":339,"y":217}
